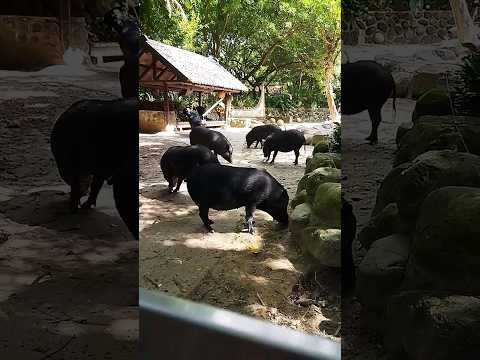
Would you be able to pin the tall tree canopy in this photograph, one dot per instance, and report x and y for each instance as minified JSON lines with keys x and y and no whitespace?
{"x":261,"y":41}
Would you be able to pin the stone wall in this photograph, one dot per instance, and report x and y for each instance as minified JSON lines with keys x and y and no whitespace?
{"x":297,"y":115}
{"x":35,"y":42}
{"x":399,"y":27}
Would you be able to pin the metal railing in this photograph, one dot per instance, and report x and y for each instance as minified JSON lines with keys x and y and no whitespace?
{"x":176,"y":329}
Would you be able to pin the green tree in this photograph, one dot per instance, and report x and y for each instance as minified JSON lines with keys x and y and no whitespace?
{"x":260,"y":41}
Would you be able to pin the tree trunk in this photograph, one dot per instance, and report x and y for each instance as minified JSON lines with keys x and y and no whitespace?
{"x":466,"y":30}
{"x":332,"y":109}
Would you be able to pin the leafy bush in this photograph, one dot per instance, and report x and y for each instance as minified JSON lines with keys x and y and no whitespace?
{"x":336,"y":139}
{"x":467,"y":90}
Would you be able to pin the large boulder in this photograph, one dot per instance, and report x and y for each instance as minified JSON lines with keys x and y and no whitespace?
{"x":387,"y":193}
{"x":423,"y":82}
{"x":327,"y":205}
{"x":410,"y":183}
{"x":299,"y":198}
{"x":439,"y":133}
{"x":385,"y":223}
{"x":319,"y":140}
{"x":300,"y":218}
{"x":446,"y":247}
{"x":425,"y":325}
{"x":312,"y":180}
{"x":324,"y":245}
{"x":402,"y":129}
{"x":433,"y":102}
{"x":323,"y":160}
{"x":321,"y":147}
{"x":381,"y":272}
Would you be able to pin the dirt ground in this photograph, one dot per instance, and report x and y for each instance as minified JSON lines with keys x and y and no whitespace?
{"x":259,"y":275}
{"x":363,"y":169}
{"x":68,"y":283}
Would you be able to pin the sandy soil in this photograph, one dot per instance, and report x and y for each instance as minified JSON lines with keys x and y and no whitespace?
{"x":259,"y":275}
{"x":363,"y":169}
{"x":68,"y":283}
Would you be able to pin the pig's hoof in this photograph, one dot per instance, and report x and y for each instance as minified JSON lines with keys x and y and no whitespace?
{"x":211,"y":231}
{"x":87,"y":205}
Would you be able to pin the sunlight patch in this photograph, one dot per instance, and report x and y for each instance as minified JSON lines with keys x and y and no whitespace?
{"x":280,"y":264}
{"x":124,"y":329}
{"x":258,"y":279}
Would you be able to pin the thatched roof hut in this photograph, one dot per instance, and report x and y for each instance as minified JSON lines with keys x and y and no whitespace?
{"x":167,"y":67}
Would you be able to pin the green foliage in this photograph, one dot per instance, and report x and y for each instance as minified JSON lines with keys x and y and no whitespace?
{"x":336,"y":139}
{"x":467,"y":92}
{"x":353,"y":8}
{"x":283,"y":42}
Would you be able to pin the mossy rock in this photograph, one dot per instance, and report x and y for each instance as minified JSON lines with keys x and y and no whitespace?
{"x":299,"y":198}
{"x":327,"y":203}
{"x":321,"y":147}
{"x":323,"y":160}
{"x":317,"y":139}
{"x":299,"y":218}
{"x":320,"y":176}
{"x":433,"y":102}
{"x":324,"y":245}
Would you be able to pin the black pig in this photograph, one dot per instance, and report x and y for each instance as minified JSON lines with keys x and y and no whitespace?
{"x":284,"y":141}
{"x":125,"y":192}
{"x":90,"y":141}
{"x":213,"y":140}
{"x":260,"y":133}
{"x":221,"y":187}
{"x":178,"y":161}
{"x":366,"y":85}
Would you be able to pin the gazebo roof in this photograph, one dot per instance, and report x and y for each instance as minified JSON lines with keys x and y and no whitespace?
{"x":167,"y":67}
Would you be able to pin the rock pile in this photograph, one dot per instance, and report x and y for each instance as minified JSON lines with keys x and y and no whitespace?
{"x":316,"y":218}
{"x":418,"y":282}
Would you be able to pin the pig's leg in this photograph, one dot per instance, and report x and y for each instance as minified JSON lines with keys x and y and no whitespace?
{"x":375,"y":118}
{"x":170,"y":185}
{"x":249,"y":217}
{"x":97,"y":184}
{"x":74,"y":195}
{"x":256,"y":144}
{"x":179,"y":183}
{"x":204,"y":216}
{"x":268,"y":157}
{"x":274,"y":156}
{"x":297,"y":154}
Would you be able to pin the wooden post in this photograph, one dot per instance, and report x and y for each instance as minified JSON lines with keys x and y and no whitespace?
{"x":467,"y":31}
{"x":168,"y":105}
{"x":228,"y":106}
{"x":199,"y":98}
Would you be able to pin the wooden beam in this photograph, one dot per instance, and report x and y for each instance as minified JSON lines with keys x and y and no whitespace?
{"x":213,"y":107}
{"x":145,"y":72}
{"x":159,"y":75}
{"x":185,"y":86}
